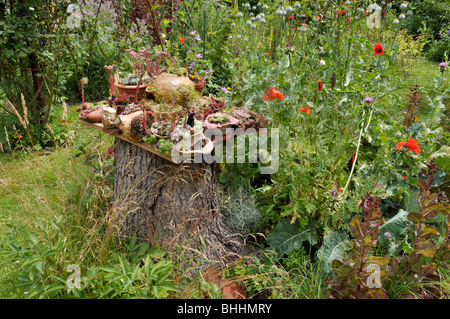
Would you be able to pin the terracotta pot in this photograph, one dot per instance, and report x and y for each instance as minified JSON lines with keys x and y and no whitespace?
{"x":131,"y":89}
{"x":172,"y":116}
{"x":200,"y":84}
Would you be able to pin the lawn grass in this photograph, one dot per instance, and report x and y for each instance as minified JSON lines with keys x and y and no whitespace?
{"x":423,"y":72}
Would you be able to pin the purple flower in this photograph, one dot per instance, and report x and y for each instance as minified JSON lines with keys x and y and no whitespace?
{"x":199,"y":56}
{"x":224,"y":89}
{"x":198,"y":37}
{"x":388,"y":234}
{"x":334,"y":192}
{"x":193,"y":32}
{"x":368,"y":99}
{"x":192,"y":65}
{"x":442,"y":64}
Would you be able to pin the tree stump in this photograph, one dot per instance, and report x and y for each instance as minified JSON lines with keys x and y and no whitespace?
{"x":171,"y":205}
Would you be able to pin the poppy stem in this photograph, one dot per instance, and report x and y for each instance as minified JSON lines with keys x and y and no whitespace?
{"x":363,"y":129}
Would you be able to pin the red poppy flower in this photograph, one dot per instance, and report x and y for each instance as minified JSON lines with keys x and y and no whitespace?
{"x":378,"y":49}
{"x":411,"y":145}
{"x":366,"y":12}
{"x":348,"y":19}
{"x":182,"y":40}
{"x":343,"y":12}
{"x":272,"y":94}
{"x":400,"y":145}
{"x":403,"y":176}
{"x":338,"y":13}
{"x":289,"y":17}
{"x":305,"y":110}
{"x":320,"y":85}
{"x":353,"y":157}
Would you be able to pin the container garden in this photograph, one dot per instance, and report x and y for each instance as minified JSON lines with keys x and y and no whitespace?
{"x":199,"y":82}
{"x":131,"y":89}
{"x":168,"y":88}
{"x":185,"y":132}
{"x":221,"y":121}
{"x":248,"y":119}
{"x":91,"y":115}
{"x":202,"y":146}
{"x":132,"y":125}
{"x":163,"y":112}
{"x":162,"y":129}
{"x":210,"y":105}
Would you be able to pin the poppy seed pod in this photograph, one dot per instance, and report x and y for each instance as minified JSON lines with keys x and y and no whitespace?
{"x":401,"y":16}
{"x":239,"y":15}
{"x":265,"y":7}
{"x":303,"y":30}
{"x":288,"y":9}
{"x":247,"y":5}
{"x":297,"y":5}
{"x":403,"y":6}
{"x":395,"y":21}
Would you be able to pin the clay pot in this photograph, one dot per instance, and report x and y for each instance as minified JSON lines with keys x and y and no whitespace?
{"x":172,"y":116}
{"x":94,"y":116}
{"x":131,"y":89}
{"x":200,"y":84}
{"x":125,"y":125}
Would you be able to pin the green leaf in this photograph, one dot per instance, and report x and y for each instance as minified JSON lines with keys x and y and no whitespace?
{"x":396,"y":226}
{"x":166,"y":22}
{"x":39,"y":265}
{"x":410,"y":201}
{"x":287,"y":237}
{"x":335,"y":244}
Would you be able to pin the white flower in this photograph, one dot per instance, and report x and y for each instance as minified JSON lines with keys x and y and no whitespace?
{"x":322,"y":63}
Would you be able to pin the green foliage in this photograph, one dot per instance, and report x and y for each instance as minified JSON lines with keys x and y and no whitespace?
{"x":287,"y":237}
{"x":334,"y":246}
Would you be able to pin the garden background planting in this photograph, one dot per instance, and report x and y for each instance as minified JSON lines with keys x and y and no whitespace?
{"x":358,"y":92}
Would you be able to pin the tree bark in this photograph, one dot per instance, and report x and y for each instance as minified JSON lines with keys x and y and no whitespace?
{"x":171,"y":205}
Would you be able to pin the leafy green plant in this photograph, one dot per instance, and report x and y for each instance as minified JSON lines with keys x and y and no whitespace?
{"x":288,"y":236}
{"x":143,"y":278}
